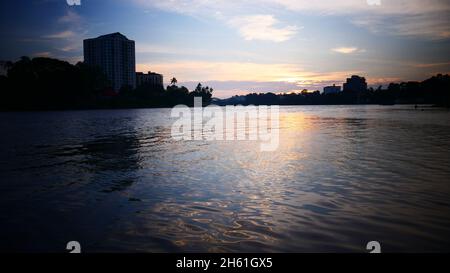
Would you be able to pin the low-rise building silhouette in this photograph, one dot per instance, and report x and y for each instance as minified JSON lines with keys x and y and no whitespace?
{"x":355,"y":84}
{"x":331,"y":89}
{"x":150,"y":78}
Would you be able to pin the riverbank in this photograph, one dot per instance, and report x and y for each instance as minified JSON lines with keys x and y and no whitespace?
{"x":413,"y":106}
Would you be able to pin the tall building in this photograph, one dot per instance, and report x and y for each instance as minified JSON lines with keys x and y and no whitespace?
{"x":115,"y":55}
{"x":355,"y":84}
{"x":331,"y":89}
{"x":149,"y":78}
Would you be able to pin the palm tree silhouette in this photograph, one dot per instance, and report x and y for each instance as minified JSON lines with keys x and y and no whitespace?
{"x":173,"y":81}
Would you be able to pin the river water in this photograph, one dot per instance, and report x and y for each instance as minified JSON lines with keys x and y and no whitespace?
{"x":116,"y":181}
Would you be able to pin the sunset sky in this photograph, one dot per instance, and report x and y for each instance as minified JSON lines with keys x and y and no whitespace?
{"x":248,"y":45}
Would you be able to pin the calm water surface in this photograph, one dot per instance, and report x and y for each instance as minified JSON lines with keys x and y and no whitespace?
{"x":114,"y":180}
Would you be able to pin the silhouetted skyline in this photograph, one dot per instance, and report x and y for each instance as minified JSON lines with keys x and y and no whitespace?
{"x":250,"y":46}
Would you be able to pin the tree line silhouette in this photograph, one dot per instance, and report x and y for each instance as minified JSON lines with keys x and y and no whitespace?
{"x":435,"y":91}
{"x":50,"y":84}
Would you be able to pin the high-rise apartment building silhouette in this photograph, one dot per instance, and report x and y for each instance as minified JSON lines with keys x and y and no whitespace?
{"x":115,"y":55}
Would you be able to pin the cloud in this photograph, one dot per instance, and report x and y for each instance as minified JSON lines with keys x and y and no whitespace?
{"x":164,"y":51}
{"x":262,"y":27}
{"x":74,"y":23}
{"x":192,"y":7}
{"x":69,"y":48}
{"x":430,"y":65}
{"x":345,"y":7}
{"x":46,"y":54}
{"x":60,"y":35}
{"x":420,"y":18}
{"x":239,"y":77}
{"x":70,"y":17}
{"x":238,"y":71}
{"x":382,"y":81}
{"x":71,"y":22}
{"x":243,"y":16}
{"x":427,"y":25}
{"x":65,"y":42}
{"x":345,"y":50}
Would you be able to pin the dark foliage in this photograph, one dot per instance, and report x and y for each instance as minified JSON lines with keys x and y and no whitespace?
{"x":51,"y":84}
{"x":47,"y":84}
{"x":435,"y":90}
